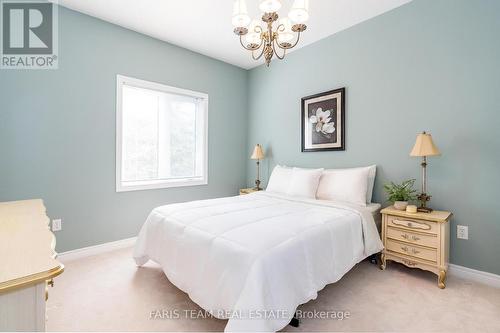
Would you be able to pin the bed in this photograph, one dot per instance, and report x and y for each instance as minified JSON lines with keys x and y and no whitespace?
{"x":253,"y":259}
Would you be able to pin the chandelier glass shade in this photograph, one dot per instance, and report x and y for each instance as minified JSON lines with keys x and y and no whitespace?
{"x":260,"y":36}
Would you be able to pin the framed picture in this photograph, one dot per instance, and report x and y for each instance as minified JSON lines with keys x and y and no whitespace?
{"x":323,"y":121}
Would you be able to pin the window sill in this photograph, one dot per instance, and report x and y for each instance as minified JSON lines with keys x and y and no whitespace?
{"x":155,"y":185}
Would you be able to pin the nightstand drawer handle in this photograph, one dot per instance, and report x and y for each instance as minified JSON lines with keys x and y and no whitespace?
{"x":413,"y":225}
{"x":413,"y":238}
{"x":409,"y":263}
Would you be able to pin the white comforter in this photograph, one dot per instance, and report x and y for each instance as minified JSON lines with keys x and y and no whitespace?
{"x":253,"y":259}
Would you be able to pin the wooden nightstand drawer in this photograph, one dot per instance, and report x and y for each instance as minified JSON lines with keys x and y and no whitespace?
{"x":412,"y":250}
{"x":412,"y":224}
{"x":404,"y":235}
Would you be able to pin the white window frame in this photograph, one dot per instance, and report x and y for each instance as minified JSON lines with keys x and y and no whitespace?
{"x":161,"y":183}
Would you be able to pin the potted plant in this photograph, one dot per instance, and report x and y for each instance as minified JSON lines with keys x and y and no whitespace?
{"x":400,"y":194}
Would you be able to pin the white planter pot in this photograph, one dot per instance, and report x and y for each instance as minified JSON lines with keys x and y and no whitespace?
{"x":400,"y":205}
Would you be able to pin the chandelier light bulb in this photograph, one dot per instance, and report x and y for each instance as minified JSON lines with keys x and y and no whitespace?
{"x":285,"y":33}
{"x":270,"y":6}
{"x":240,"y":14}
{"x":300,"y":11}
{"x":253,"y":35}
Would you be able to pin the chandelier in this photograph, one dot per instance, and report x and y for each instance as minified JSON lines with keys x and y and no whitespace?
{"x":263,"y":39}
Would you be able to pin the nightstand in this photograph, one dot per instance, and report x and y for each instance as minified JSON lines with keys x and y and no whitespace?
{"x":244,"y":191}
{"x":419,"y":240}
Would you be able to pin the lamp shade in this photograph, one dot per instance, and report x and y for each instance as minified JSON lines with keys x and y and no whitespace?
{"x":300,"y":11}
{"x":240,"y":14}
{"x":270,"y":6}
{"x":254,"y":31}
{"x":424,"y":146}
{"x":258,"y":153}
{"x":285,"y":33}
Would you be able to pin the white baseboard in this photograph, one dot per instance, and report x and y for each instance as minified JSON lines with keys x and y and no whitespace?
{"x":474,"y":275}
{"x":96,"y":249}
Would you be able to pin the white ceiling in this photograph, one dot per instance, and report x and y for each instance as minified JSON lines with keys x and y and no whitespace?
{"x":204,"y":26}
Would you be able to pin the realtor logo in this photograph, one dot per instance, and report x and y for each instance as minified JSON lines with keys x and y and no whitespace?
{"x":29,"y":34}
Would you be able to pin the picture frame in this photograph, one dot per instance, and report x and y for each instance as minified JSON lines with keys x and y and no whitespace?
{"x":323,"y":121}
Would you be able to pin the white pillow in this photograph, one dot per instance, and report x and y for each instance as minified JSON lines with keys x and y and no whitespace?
{"x":347,"y":185}
{"x":372,"y":172}
{"x":304,"y":182}
{"x":279,"y":181}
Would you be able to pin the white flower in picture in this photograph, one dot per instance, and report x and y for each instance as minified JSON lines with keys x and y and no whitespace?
{"x":328,"y":128}
{"x":323,"y":122}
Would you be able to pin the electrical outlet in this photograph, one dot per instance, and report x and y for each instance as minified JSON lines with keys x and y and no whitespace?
{"x":462,"y":232}
{"x":57,"y":225}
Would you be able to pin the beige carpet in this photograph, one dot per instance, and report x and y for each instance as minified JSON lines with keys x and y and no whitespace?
{"x":109,"y":293}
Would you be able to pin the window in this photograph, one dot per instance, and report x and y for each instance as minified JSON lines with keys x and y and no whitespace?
{"x":161,"y":136}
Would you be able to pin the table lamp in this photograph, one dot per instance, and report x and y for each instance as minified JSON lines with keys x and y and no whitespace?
{"x":258,"y":154}
{"x":424,"y":146}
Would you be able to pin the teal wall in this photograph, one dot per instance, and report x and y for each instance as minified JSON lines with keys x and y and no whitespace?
{"x":429,"y":65}
{"x":57,"y":128}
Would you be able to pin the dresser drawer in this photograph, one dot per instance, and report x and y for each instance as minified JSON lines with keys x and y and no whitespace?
{"x":412,"y":250}
{"x":413,"y":224}
{"x":404,"y":235}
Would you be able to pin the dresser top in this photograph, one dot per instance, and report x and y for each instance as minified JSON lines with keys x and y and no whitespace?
{"x":435,"y":215}
{"x":26,"y":245}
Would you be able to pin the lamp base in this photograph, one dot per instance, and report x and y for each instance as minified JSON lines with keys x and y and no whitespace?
{"x":424,"y":198}
{"x":424,"y":210}
{"x":257,"y":185}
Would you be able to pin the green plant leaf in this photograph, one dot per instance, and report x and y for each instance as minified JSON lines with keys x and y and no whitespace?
{"x":401,"y":192}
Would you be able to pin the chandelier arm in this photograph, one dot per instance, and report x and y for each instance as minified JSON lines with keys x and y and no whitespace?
{"x":250,"y":48}
{"x":260,"y":55}
{"x":291,"y":46}
{"x":276,"y":52}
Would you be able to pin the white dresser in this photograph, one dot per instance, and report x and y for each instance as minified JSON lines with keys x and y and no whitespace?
{"x":28,"y":265}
